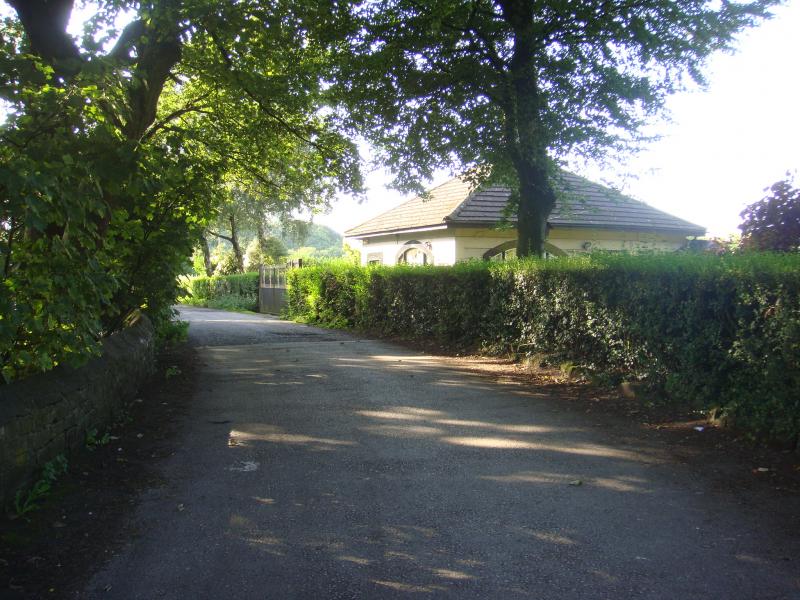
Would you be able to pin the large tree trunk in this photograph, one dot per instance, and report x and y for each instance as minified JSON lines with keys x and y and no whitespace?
{"x":536,"y":202}
{"x":237,"y":248}
{"x":152,"y":70}
{"x":157,"y":43}
{"x":262,"y":235}
{"x":526,"y":142}
{"x":209,"y":266}
{"x":45,"y":23}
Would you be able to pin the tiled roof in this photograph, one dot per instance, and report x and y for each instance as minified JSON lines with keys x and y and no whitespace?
{"x":581,"y":203}
{"x":440,"y":202}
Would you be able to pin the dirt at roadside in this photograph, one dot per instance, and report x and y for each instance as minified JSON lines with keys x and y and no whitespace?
{"x":83,"y":520}
{"x":765,"y":478}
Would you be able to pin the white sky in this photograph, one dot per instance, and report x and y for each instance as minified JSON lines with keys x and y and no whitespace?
{"x":722,"y":148}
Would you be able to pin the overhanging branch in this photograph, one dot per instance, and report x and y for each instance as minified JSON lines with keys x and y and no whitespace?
{"x":221,"y":236}
{"x":127,"y":40}
{"x":45,"y":24}
{"x":194,"y":106}
{"x":292,"y":129}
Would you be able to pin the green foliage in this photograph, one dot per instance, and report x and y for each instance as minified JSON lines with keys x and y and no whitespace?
{"x":773,"y":223}
{"x":172,"y":332}
{"x":198,"y":263}
{"x":270,"y":252}
{"x":115,"y":161}
{"x":701,"y":331}
{"x":92,"y":441}
{"x":26,"y":502}
{"x":229,"y":292}
{"x":351,"y":255}
{"x":512,"y":87}
{"x":310,"y":234}
{"x":226,"y":263}
{"x":441,"y":303}
{"x":310,"y":253}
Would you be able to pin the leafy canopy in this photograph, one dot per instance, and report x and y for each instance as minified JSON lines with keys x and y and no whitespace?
{"x":121,"y":147}
{"x":773,"y":223}
{"x":506,"y":90}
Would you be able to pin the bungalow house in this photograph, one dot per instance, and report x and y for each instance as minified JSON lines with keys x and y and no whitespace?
{"x":454,"y":223}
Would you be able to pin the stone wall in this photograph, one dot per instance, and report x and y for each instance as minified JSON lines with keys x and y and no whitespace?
{"x":44,"y":415}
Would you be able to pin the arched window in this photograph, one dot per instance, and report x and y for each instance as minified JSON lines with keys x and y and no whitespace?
{"x":414,"y":253}
{"x":508,"y":250}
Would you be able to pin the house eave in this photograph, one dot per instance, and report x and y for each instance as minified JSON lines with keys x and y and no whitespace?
{"x":361,"y":236}
{"x":689,"y":231}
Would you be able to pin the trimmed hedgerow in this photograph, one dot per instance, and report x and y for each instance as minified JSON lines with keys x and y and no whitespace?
{"x":228,"y":292}
{"x":445,"y":304}
{"x":698,"y":331}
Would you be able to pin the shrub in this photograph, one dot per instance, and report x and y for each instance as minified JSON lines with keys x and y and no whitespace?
{"x":443,"y":302}
{"x":271,"y":253}
{"x":773,"y":223}
{"x":170,"y":333}
{"x":226,"y":263}
{"x":227,"y":292}
{"x":699,"y":331}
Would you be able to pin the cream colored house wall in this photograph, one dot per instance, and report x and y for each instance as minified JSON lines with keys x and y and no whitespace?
{"x":442,"y":246}
{"x":474,"y":242}
{"x":450,"y":246}
{"x":576,"y":240}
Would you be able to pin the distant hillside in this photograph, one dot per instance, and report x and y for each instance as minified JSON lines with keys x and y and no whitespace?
{"x":317,"y":236}
{"x":309,"y":239}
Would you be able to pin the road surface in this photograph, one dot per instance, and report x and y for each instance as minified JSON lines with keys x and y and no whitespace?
{"x":313,"y":464}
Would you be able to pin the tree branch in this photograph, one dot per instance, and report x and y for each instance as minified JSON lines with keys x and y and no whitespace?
{"x":127,"y":40}
{"x":156,"y":60}
{"x":255,"y":98}
{"x":45,"y":23}
{"x":219,"y":235}
{"x":162,"y":124}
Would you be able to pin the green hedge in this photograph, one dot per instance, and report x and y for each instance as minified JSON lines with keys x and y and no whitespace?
{"x":699,"y":331}
{"x":229,"y":292}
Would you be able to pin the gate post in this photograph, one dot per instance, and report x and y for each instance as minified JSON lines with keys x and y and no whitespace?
{"x":261,"y":285}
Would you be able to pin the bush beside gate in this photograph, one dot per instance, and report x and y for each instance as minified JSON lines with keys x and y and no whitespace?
{"x":228,"y":292}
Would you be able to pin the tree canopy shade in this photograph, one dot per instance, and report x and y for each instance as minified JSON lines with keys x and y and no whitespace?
{"x":506,"y":89}
{"x":773,"y":223}
{"x":117,"y":155}
{"x":122,"y":147}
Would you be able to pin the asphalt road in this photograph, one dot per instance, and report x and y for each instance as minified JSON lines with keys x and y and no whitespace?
{"x":317,"y":465}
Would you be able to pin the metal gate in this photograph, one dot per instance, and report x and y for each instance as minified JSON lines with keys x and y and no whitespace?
{"x":272,"y":298}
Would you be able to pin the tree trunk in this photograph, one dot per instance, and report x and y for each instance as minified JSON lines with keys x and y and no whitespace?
{"x":536,"y":202}
{"x":152,"y":70}
{"x":262,"y":235}
{"x":45,"y":23}
{"x":525,"y":137}
{"x":209,"y":266}
{"x":237,"y":249}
